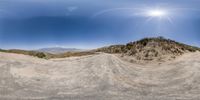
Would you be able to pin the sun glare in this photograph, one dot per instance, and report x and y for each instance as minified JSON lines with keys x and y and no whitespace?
{"x":156,"y":13}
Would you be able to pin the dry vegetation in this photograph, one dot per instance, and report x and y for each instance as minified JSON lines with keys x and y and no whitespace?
{"x":150,"y":49}
{"x":25,"y":52}
{"x":48,"y":55}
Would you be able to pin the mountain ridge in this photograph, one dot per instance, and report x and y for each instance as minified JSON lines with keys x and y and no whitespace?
{"x":58,"y":50}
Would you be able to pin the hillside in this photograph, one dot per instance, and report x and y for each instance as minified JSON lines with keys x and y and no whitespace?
{"x":26,"y":52}
{"x":157,"y":48}
{"x":46,"y":55}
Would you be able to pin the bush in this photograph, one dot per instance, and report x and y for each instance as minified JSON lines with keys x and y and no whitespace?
{"x":40,"y":55}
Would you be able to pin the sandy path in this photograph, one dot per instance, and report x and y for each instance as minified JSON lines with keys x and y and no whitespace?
{"x":98,"y":77}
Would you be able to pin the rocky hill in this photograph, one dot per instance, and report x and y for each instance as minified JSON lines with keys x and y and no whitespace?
{"x":157,"y":48}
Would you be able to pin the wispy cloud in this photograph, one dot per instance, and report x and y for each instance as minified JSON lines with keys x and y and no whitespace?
{"x":72,"y":8}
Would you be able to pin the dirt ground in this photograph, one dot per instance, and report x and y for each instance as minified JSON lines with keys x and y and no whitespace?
{"x":98,"y":77}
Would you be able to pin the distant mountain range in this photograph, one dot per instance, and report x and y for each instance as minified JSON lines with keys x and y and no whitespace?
{"x":58,"y":50}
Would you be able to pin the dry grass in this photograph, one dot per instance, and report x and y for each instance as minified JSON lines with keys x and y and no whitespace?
{"x":48,"y":55}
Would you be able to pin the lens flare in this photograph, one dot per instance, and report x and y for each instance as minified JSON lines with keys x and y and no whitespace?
{"x":156,"y":13}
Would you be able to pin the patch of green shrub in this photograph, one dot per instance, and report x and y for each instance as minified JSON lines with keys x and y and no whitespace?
{"x":40,"y":55}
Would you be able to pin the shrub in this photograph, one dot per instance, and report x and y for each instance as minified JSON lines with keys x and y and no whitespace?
{"x":40,"y":55}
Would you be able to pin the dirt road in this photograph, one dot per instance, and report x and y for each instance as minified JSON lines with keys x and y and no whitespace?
{"x":98,"y":77}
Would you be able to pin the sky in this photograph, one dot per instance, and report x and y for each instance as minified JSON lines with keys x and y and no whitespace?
{"x":88,"y":24}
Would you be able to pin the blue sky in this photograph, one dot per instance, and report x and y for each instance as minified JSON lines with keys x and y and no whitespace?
{"x":32,"y":24}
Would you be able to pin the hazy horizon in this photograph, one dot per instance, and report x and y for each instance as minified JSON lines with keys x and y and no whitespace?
{"x":82,"y":47}
{"x":89,"y":24}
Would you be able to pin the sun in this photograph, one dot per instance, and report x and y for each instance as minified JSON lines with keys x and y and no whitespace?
{"x":159,"y":14}
{"x":156,"y":13}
